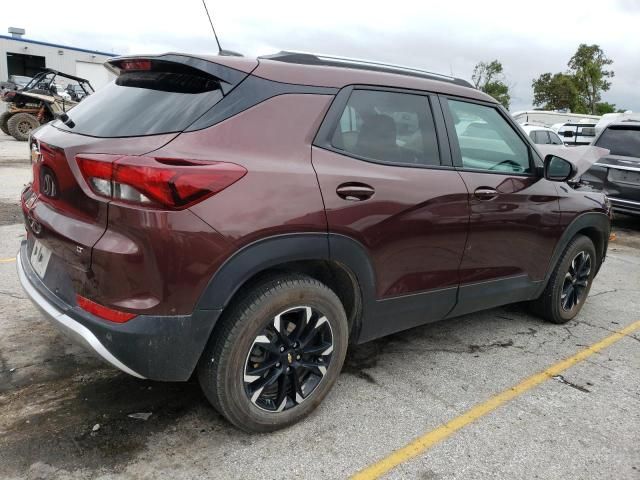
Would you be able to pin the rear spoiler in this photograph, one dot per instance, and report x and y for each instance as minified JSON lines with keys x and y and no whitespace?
{"x":227,"y":76}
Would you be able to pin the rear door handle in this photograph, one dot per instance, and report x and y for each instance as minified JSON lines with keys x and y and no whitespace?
{"x":355,"y":191}
{"x":485,"y":193}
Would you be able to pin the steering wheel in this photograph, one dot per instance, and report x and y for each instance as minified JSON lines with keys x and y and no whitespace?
{"x":514,"y":165}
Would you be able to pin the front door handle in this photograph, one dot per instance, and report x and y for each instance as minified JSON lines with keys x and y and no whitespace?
{"x":485,"y":193}
{"x":355,"y":191}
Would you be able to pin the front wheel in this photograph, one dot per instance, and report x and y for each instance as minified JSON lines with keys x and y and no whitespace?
{"x":570,"y":282}
{"x":276,"y":353}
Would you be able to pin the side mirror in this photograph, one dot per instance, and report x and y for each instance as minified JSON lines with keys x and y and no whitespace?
{"x":568,"y":134}
{"x":558,"y":169}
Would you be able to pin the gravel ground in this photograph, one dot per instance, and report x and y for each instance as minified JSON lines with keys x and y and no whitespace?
{"x":64,"y":414}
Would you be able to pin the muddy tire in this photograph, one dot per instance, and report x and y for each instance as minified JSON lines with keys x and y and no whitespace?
{"x":4,"y":118}
{"x":20,"y":126}
{"x":275,"y":354}
{"x":570,"y":282}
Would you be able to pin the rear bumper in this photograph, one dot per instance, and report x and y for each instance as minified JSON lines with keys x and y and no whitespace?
{"x":155,"y":347}
{"x":624,"y":193}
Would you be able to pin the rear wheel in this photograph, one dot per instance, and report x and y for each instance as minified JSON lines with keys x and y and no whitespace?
{"x":276,"y":354}
{"x":570,"y":282}
{"x":20,"y":126}
{"x":4,"y":118}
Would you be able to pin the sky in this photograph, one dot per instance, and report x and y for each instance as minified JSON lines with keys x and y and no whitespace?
{"x":529,"y":38}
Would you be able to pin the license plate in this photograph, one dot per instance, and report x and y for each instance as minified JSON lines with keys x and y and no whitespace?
{"x":624,"y":176}
{"x":40,"y":256}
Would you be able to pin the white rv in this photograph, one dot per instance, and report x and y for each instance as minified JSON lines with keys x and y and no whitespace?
{"x":547,"y":118}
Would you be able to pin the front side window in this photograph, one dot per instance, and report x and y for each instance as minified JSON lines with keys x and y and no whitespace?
{"x":555,"y":139}
{"x":389,"y":127}
{"x":623,"y":140}
{"x":487,"y":141}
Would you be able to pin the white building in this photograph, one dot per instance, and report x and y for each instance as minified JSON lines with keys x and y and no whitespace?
{"x":21,"y":56}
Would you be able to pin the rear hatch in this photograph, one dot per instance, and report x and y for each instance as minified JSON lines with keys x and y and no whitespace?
{"x":623,"y":163}
{"x":152,"y":100}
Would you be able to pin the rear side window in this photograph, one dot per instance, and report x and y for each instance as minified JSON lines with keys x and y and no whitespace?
{"x":388,"y":127}
{"x":623,"y":141}
{"x":166,"y":99}
{"x":487,"y":141}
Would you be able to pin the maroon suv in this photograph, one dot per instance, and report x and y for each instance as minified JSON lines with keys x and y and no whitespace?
{"x":249,"y":218}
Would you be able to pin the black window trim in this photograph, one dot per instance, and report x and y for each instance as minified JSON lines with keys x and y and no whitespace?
{"x":334,"y":113}
{"x":536,"y":166}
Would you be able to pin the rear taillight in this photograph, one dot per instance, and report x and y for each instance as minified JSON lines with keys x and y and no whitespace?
{"x":157,"y":182}
{"x":102,"y":311}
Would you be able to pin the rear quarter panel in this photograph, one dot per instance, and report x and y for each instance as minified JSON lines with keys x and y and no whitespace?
{"x":280,"y":192}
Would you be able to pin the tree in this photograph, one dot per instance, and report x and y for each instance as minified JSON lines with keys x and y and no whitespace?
{"x":556,"y":92}
{"x":588,"y":69}
{"x":605,"y":107}
{"x":489,"y":77}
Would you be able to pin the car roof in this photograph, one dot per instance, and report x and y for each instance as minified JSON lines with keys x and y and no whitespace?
{"x":290,"y":69}
{"x":532,"y":128}
{"x":625,"y":123}
{"x":338,"y":76}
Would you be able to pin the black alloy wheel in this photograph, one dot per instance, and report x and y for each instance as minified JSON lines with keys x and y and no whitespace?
{"x":288,"y":359}
{"x":571,"y":279}
{"x":276,"y":352}
{"x":576,"y":281}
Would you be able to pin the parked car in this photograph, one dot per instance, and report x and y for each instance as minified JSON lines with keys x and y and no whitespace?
{"x":40,"y":101}
{"x":575,"y":134}
{"x":542,"y":135}
{"x":248,"y":219}
{"x":618,"y":174}
{"x":608,"y":118}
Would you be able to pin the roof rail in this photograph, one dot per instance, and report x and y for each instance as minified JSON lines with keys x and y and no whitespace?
{"x":305,"y":58}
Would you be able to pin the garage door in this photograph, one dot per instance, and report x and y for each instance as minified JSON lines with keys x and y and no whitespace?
{"x":96,"y":73}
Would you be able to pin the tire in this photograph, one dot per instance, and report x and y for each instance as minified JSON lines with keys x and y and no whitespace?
{"x":245,"y":341}
{"x":20,"y":126}
{"x":570,"y":282}
{"x":4,"y":118}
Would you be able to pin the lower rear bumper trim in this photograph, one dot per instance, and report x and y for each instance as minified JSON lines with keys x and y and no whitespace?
{"x":68,"y":325}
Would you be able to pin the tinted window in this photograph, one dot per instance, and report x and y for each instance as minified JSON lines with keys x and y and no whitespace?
{"x":388,"y":127}
{"x":145,"y":103}
{"x":495,"y":146}
{"x":621,"y":141}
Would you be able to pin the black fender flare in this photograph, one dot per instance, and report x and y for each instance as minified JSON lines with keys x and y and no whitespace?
{"x":270,"y":252}
{"x":594,"y":220}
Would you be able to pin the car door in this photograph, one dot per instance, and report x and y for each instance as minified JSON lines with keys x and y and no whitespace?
{"x":387,"y":181}
{"x":514,"y":212}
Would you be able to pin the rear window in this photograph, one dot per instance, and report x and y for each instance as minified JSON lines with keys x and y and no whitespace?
{"x":166,"y":99}
{"x":624,"y":141}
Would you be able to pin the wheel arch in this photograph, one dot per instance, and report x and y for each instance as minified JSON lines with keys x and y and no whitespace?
{"x":338,"y":261}
{"x":593,"y":225}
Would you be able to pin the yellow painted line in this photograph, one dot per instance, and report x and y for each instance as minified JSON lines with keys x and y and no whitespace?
{"x":7,"y":260}
{"x":428,"y":440}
